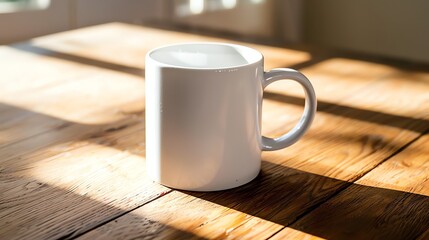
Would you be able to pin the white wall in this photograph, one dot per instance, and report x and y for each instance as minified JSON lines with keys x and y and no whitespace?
{"x":243,"y":18}
{"x":64,"y":15}
{"x":279,"y":20}
{"x":18,"y":26}
{"x":93,"y":12}
{"x":395,"y":28}
{"x":275,"y":19}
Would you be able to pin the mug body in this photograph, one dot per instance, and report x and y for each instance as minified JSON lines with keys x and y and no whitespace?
{"x":203,"y":115}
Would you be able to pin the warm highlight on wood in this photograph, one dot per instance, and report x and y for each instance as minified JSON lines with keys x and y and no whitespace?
{"x":72,"y":148}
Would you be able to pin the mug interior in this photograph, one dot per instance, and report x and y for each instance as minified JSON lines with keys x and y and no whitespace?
{"x":205,"y":55}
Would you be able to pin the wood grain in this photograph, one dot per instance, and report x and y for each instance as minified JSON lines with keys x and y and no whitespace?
{"x":391,"y":95}
{"x":424,"y":235}
{"x":82,"y":185}
{"x":72,"y":145}
{"x":337,"y":162}
{"x":341,"y":76}
{"x":292,"y":182}
{"x":180,"y":212}
{"x":127,"y":45}
{"x":52,"y":101}
{"x":68,"y":140}
{"x":390,"y":202}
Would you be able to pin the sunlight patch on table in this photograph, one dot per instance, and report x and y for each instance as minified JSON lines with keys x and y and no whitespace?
{"x":98,"y":172}
{"x":93,"y":99}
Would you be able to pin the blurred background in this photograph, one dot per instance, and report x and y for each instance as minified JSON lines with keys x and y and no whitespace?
{"x":395,"y":29}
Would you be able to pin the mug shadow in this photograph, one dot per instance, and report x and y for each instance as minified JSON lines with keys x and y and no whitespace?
{"x":292,"y":198}
{"x":282,"y":195}
{"x":279,"y":194}
{"x":32,"y":208}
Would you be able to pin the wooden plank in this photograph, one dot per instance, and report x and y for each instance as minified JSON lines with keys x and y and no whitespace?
{"x":292,"y":182}
{"x":115,"y":46}
{"x":177,"y":211}
{"x":380,"y":92}
{"x":85,"y":183}
{"x":338,"y":75}
{"x":80,"y":55}
{"x":39,"y":71}
{"x":45,"y":91}
{"x":127,"y":45}
{"x":346,"y":135}
{"x":49,"y":162}
{"x":392,"y":95}
{"x":340,"y":147}
{"x":390,"y":202}
{"x":91,"y":38}
{"x":54,"y":112}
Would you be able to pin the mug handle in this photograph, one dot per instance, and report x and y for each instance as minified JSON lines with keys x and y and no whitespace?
{"x":291,"y":137}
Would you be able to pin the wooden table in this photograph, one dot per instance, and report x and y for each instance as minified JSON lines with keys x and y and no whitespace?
{"x":72,"y":148}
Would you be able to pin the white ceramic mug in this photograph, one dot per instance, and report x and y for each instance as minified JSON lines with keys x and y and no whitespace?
{"x":203,"y":114}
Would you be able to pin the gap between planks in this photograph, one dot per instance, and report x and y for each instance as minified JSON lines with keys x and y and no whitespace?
{"x":107,"y":220}
{"x":341,"y":189}
{"x":72,"y":236}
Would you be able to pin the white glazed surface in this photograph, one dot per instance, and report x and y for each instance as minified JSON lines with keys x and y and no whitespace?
{"x":203,"y":113}
{"x":205,"y":56}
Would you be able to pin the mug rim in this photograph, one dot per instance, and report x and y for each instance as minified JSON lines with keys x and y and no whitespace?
{"x":259,"y":55}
